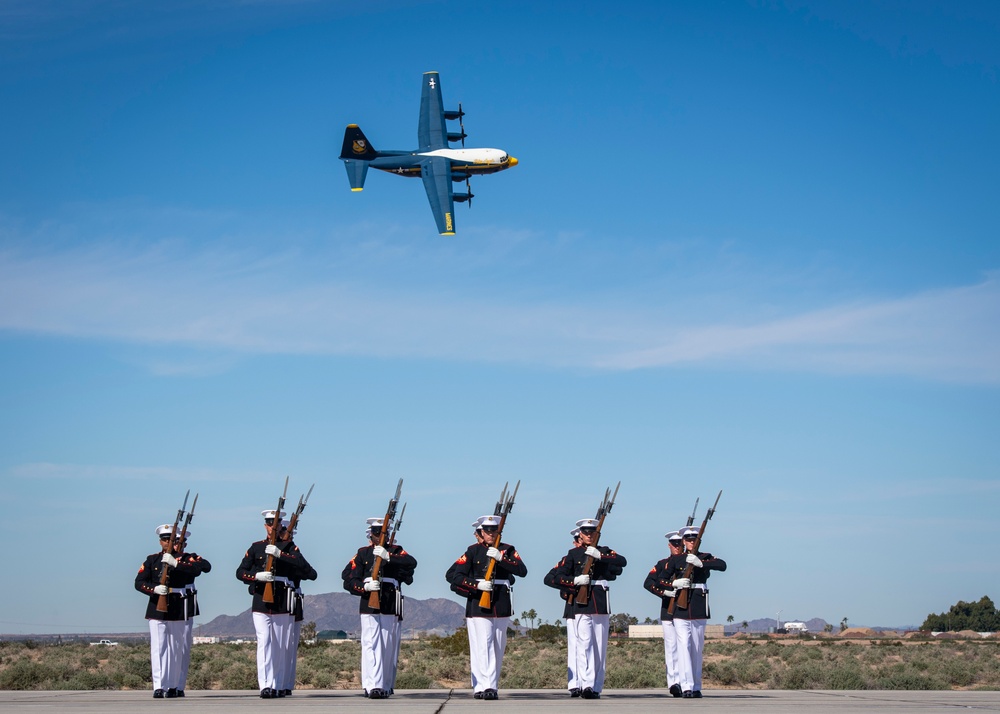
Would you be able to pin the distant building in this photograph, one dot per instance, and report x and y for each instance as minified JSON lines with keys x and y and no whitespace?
{"x":207,"y":640}
{"x":796,"y":628}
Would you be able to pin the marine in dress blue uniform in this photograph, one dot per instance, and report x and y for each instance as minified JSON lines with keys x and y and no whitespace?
{"x":487,"y":627}
{"x":172,"y":632}
{"x":380,"y":626}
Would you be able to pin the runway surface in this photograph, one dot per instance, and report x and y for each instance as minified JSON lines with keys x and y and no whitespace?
{"x":548,"y":701}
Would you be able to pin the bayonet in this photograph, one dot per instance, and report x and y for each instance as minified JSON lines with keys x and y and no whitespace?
{"x":693,"y":511}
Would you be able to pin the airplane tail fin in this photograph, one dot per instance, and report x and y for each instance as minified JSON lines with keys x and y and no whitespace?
{"x":356,"y":153}
{"x":356,"y":145}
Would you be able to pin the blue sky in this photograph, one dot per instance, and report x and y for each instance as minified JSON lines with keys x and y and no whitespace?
{"x":749,"y":246}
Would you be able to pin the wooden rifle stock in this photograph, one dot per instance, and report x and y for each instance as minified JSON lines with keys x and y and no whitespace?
{"x":268,"y":595}
{"x":486,"y":599}
{"x":161,"y":603}
{"x":375,"y":596}
{"x":583,"y":591}
{"x":681,"y":599}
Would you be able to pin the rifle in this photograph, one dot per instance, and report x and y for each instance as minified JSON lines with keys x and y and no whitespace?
{"x":693,"y":511}
{"x":602,"y":511}
{"x":390,"y":513}
{"x":272,"y":540}
{"x":682,"y":597}
{"x":161,"y":604}
{"x":508,"y":504}
{"x":294,"y":520}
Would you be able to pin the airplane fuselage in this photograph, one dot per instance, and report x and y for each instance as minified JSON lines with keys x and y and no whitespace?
{"x":464,"y":162}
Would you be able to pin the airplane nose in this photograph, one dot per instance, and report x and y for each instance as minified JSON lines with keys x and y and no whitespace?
{"x":512,"y":161}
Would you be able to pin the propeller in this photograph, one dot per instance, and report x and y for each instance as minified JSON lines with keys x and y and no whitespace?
{"x":461,"y":126}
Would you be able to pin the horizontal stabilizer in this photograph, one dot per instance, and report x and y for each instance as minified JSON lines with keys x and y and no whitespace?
{"x":356,"y":172}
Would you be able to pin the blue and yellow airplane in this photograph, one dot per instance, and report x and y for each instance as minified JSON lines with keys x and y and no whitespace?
{"x":435,"y":161}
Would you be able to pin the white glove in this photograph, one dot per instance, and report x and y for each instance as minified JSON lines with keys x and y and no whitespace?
{"x":272,"y":550}
{"x":669,"y":593}
{"x":593,"y":552}
{"x":380,"y":552}
{"x":161,"y":590}
{"x":581,"y":580}
{"x":264,"y":576}
{"x":373,"y":585}
{"x":493,"y":553}
{"x":485,"y":585}
{"x":681,"y":583}
{"x":169,"y":560}
{"x":694,"y":560}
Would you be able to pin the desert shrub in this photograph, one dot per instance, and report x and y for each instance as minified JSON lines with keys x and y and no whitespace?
{"x":86,"y":679}
{"x":25,"y":674}
{"x":413,"y":680}
{"x":804,"y":675}
{"x":847,"y":676}
{"x":239,"y":675}
{"x":548,"y":633}
{"x":455,"y":644}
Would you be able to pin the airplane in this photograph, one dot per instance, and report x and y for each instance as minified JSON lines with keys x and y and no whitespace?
{"x":435,"y":161}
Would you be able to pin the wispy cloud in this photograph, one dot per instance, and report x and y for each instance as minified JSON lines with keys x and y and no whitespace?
{"x":238,"y":302}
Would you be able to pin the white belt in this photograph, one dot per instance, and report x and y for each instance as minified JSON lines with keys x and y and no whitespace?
{"x":502,"y":582}
{"x":391,"y":581}
{"x":284,"y":581}
{"x":698,"y":586}
{"x":600,"y":583}
{"x":182,"y":590}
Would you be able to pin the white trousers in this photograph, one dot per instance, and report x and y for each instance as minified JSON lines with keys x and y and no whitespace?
{"x":187,"y":639}
{"x":378,"y":648}
{"x":393,"y":652}
{"x":291,"y":657}
{"x":572,"y":678}
{"x":670,"y":651}
{"x":690,"y":644}
{"x":273,"y":633}
{"x":166,"y":648}
{"x":591,"y":650}
{"x":487,"y":642}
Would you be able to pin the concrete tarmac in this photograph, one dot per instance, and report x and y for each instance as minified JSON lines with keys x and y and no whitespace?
{"x":523,"y":701}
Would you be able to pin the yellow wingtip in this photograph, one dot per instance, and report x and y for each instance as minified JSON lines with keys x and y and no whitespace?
{"x":357,"y":189}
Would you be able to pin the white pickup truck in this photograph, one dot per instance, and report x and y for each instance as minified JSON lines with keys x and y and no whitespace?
{"x":105,"y":643}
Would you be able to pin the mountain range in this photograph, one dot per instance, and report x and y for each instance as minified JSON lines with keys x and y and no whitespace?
{"x":339,"y":611}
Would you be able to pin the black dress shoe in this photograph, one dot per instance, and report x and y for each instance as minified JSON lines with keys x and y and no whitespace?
{"x":374,"y":693}
{"x":171,"y":693}
{"x":688,"y":694}
{"x":286,"y":692}
{"x":477,"y":695}
{"x":266,"y":693}
{"x":278,"y":692}
{"x":180,"y":692}
{"x":675,"y":690}
{"x":587,"y":693}
{"x":575,"y":692}
{"x":158,"y":694}
{"x":491,"y":695}
{"x":696,"y":694}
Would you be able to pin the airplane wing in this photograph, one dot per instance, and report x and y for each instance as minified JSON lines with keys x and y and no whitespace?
{"x":431,"y":131}
{"x":436,"y":173}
